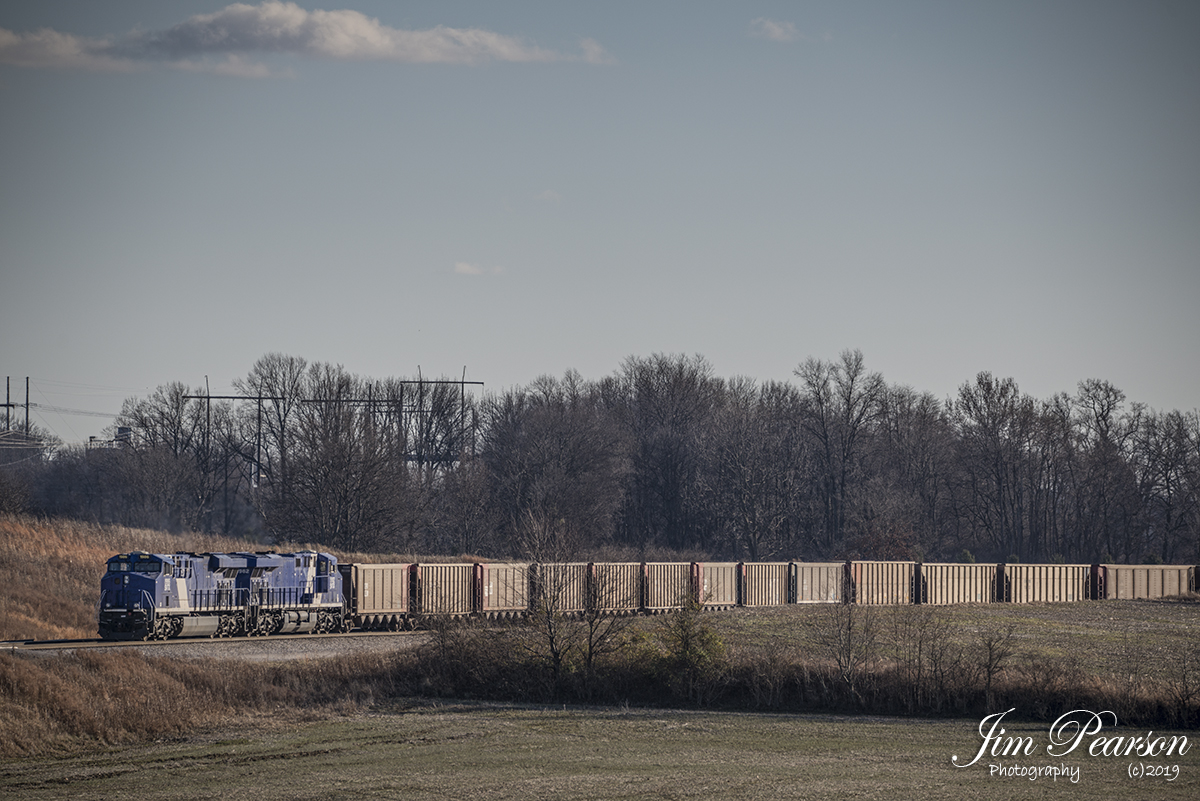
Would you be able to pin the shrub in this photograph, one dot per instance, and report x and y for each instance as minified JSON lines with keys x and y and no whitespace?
{"x":695,"y":656}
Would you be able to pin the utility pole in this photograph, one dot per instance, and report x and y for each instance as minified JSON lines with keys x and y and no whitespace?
{"x":8,"y":404}
{"x":208,"y":452}
{"x":414,"y":414}
{"x":258,"y":434}
{"x":257,"y":446}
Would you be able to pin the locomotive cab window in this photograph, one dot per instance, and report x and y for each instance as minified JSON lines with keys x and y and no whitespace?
{"x":150,"y":566}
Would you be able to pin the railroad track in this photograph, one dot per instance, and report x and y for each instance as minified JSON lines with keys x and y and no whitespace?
{"x":283,"y":646}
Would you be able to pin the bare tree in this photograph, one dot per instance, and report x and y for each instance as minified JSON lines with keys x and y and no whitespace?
{"x":604,"y":633}
{"x":994,"y":647}
{"x":841,"y":402}
{"x":557,"y":463}
{"x":466,"y":519}
{"x":174,"y":467}
{"x":995,"y":425}
{"x":664,"y":403}
{"x":754,"y":468}
{"x":276,"y":386}
{"x":24,"y":458}
{"x":914,"y":457}
{"x":1168,"y":469}
{"x":847,"y":635}
{"x":339,"y":476}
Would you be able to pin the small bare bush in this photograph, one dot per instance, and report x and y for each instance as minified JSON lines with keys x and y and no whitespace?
{"x":768,"y":672}
{"x":994,"y":648}
{"x":1049,"y":686}
{"x":848,"y":636}
{"x":1183,"y":683}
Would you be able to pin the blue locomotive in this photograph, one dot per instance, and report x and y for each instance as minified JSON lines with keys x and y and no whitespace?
{"x":159,"y":596}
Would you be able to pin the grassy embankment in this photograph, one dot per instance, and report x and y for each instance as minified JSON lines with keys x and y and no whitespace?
{"x":1138,"y":658}
{"x":51,"y":569}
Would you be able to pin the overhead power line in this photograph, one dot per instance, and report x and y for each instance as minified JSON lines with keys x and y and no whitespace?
{"x":64,"y":410}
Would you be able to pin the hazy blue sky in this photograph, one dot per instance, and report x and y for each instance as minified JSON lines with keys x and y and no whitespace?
{"x":524,"y":188}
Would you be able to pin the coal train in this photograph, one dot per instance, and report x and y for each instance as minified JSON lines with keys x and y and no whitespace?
{"x":147,"y":596}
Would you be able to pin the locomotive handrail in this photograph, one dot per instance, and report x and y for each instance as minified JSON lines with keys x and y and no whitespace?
{"x":263,"y":597}
{"x":281,"y":597}
{"x":222,"y":599}
{"x":150,"y":609}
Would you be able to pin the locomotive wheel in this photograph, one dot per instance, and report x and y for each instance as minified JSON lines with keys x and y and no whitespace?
{"x":165,"y":628}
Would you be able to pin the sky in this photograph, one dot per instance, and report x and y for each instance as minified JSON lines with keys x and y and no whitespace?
{"x":524,"y":188}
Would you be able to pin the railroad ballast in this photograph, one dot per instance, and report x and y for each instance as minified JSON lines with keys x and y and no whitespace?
{"x":163,"y":596}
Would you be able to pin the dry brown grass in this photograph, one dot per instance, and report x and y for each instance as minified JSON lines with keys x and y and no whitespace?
{"x":51,"y":571}
{"x":59,"y":703}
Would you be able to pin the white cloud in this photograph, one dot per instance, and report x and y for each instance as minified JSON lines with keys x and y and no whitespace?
{"x":549,"y":195}
{"x":219,"y":42}
{"x":774,"y":31}
{"x":279,"y":27}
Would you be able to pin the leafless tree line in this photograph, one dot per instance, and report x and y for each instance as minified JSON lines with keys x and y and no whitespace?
{"x":660,"y":455}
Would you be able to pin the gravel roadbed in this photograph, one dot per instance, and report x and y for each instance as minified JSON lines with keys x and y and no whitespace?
{"x":256,"y":649}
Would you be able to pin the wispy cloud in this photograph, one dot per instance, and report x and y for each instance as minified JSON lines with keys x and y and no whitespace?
{"x":48,"y":48}
{"x":774,"y":31}
{"x":466,"y":268}
{"x":220,"y":42}
{"x":594,"y":53}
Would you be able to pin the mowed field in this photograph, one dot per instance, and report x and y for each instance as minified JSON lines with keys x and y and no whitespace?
{"x":465,"y":751}
{"x":1126,"y":640}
